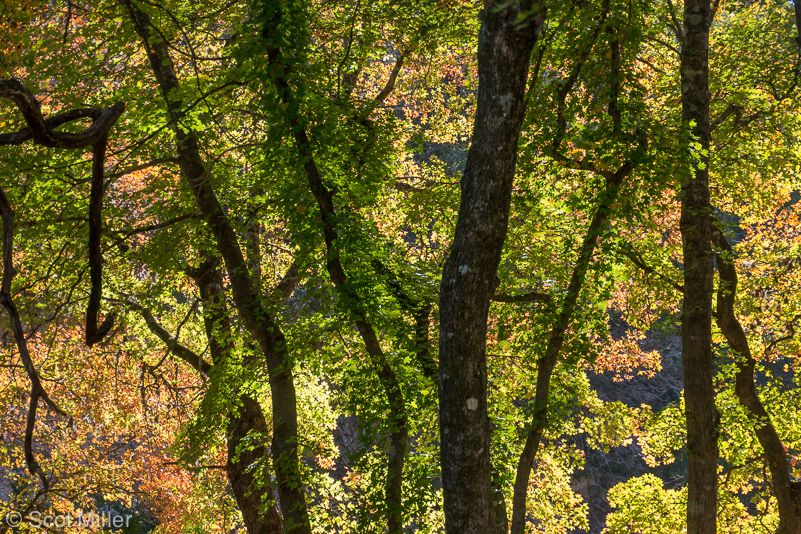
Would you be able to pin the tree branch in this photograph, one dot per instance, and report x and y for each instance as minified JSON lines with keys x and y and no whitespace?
{"x":181,"y":351}
{"x":93,"y":333}
{"x":640,"y":263}
{"x":37,"y":390}
{"x":42,"y":132}
{"x":533,"y":296}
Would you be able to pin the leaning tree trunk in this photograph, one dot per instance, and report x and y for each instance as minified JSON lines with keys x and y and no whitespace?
{"x":390,"y":383}
{"x":696,"y":319}
{"x":505,"y":42}
{"x":249,"y":303}
{"x":786,"y":490}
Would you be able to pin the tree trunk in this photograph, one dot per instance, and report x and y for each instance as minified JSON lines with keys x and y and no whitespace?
{"x":696,"y":320}
{"x":785,"y":489}
{"x":255,"y":317}
{"x":506,"y":39}
{"x":397,"y":414}
{"x":547,"y":363}
{"x":251,"y":495}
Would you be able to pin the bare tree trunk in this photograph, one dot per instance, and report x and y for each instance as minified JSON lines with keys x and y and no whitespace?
{"x":506,"y":39}
{"x":696,"y":320}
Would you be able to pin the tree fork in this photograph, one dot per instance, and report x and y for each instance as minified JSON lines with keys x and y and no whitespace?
{"x":249,"y":304}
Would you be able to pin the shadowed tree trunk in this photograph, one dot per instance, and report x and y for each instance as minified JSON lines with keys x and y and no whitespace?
{"x":252,"y":496}
{"x":696,"y":318}
{"x":505,"y":42}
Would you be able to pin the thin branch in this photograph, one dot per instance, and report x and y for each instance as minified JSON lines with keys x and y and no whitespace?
{"x":663,"y":43}
{"x":158,"y":226}
{"x":153,"y":163}
{"x":286,"y":286}
{"x":565,"y":87}
{"x":533,"y":296}
{"x":640,"y":263}
{"x":676,"y":27}
{"x":184,"y":353}
{"x":646,"y":62}
{"x":731,"y":109}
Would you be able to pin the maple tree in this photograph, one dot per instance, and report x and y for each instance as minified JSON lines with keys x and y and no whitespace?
{"x":228,"y":306}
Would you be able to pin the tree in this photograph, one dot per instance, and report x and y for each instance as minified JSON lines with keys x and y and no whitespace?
{"x":292,"y":184}
{"x":696,"y":231}
{"x":506,"y":40}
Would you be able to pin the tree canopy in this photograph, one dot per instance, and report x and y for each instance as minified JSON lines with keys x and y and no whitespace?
{"x":407,"y":267}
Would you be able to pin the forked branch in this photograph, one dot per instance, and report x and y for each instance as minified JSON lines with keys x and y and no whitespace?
{"x":43,"y":132}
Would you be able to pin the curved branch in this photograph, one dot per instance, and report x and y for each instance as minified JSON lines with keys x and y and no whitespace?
{"x":41,"y":130}
{"x":787,"y":491}
{"x":546,"y":365}
{"x":37,"y":391}
{"x":647,"y":269}
{"x":184,"y":353}
{"x":43,"y":133}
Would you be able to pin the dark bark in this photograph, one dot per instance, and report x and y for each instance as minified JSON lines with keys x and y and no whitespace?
{"x":249,"y":303}
{"x":398,"y":437}
{"x":42,"y":132}
{"x":786,"y":490}
{"x":37,"y":390}
{"x":245,"y":422}
{"x":696,"y":319}
{"x":93,"y":333}
{"x":506,"y":39}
